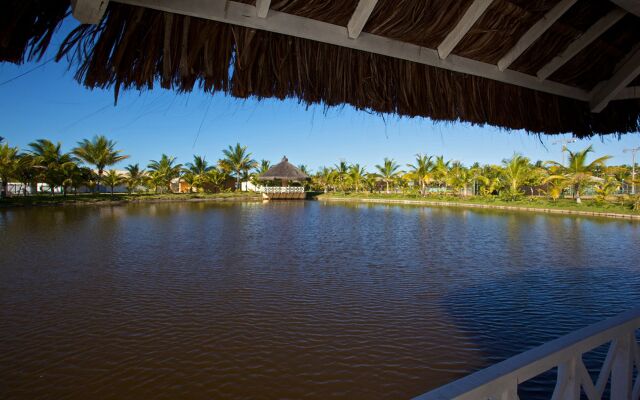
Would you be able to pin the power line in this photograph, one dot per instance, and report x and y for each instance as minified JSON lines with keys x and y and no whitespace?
{"x":27,"y":72}
{"x":202,"y":123}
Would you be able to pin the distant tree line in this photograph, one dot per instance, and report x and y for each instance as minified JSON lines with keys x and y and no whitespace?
{"x":86,"y":166}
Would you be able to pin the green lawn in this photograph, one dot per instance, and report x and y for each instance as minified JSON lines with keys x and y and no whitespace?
{"x":531,"y":202}
{"x":104,"y":198}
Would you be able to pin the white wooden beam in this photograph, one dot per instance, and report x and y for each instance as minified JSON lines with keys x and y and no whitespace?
{"x":537,"y":30}
{"x":633,"y":6}
{"x":244,"y":15}
{"x":628,"y":93}
{"x":473,"y":13}
{"x":89,"y":11}
{"x":591,"y":34}
{"x":607,"y":91}
{"x":262,"y":8}
{"x":360,"y":17}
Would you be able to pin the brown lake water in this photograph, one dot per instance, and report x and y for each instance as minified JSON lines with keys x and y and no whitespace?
{"x":292,"y":300}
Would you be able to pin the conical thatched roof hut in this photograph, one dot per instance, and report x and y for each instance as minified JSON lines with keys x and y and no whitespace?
{"x":546,"y":66}
{"x":284,"y":171}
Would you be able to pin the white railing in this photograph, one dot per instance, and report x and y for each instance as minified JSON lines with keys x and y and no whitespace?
{"x":282,"y":189}
{"x":500,"y":381}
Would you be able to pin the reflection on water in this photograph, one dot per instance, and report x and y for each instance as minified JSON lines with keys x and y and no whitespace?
{"x":292,"y":300}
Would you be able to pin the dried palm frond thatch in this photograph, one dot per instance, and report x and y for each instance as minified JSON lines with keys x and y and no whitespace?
{"x":135,"y":47}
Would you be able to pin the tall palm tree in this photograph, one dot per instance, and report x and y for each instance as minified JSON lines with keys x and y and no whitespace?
{"x":51,"y":161}
{"x":421,"y":169}
{"x":357,"y":175}
{"x":578,"y":170}
{"x":388,"y":171}
{"x":237,"y":161}
{"x":8,"y":165}
{"x":515,"y":173}
{"x":100,"y":152}
{"x":135,"y":176}
{"x":164,"y":171}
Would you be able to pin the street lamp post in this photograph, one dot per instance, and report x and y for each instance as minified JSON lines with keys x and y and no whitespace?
{"x":564,"y":143}
{"x":633,"y":152}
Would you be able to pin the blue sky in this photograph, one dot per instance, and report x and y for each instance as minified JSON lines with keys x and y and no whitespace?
{"x":49,"y":103}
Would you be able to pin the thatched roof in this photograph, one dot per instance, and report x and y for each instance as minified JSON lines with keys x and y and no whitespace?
{"x":284,"y":170}
{"x":546,"y":66}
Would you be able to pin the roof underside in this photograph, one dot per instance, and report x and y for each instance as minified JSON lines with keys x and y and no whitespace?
{"x":546,"y":66}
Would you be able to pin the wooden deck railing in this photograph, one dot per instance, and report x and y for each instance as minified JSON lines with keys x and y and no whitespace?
{"x":500,"y":381}
{"x":282,"y":189}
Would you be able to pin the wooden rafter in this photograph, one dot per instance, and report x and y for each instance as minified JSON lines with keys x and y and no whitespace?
{"x":473,"y":13}
{"x":262,"y":8}
{"x":360,"y":17}
{"x":597,"y":29}
{"x":537,"y":30}
{"x":607,"y":91}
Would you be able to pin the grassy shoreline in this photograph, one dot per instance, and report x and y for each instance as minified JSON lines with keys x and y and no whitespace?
{"x":123,"y":198}
{"x":562,"y":206}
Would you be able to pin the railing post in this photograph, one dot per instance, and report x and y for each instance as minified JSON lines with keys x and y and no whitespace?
{"x":622,"y":369}
{"x":510,"y":393}
{"x":568,"y":384}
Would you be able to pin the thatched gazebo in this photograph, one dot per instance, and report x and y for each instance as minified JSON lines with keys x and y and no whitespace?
{"x":284,"y":172}
{"x":545,"y":66}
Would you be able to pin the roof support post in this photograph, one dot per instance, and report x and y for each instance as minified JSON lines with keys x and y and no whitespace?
{"x":581,"y":42}
{"x":89,"y":11}
{"x":360,"y":17}
{"x":262,"y":8}
{"x":473,"y":13}
{"x":607,"y":91}
{"x":537,"y":30}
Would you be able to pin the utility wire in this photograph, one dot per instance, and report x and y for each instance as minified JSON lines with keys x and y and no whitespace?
{"x":202,"y":123}
{"x":27,"y":72}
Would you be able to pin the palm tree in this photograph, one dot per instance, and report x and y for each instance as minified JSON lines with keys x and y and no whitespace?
{"x":421,"y":170}
{"x":135,"y":176}
{"x":578,"y":171}
{"x":237,"y":161}
{"x":440,"y":170}
{"x":263,"y":166}
{"x":606,"y":188}
{"x":388,"y":171}
{"x":51,"y":161}
{"x":26,"y":172}
{"x":323,"y":178}
{"x":341,"y":174}
{"x":515,"y":173}
{"x":113,"y":179}
{"x":460,"y":178}
{"x":196,"y":172}
{"x":215,"y":177}
{"x":356,"y":175}
{"x":99,"y":152}
{"x":164,"y":171}
{"x":8,"y":165}
{"x":555,"y":185}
